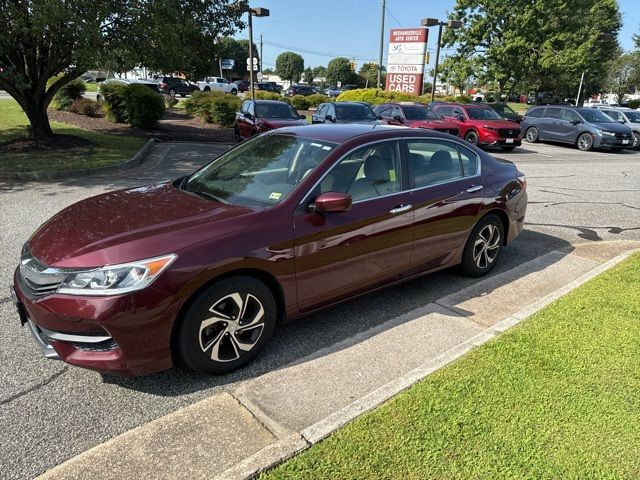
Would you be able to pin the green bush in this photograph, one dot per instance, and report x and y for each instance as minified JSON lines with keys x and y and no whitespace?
{"x":634,"y":104}
{"x":213,"y":107}
{"x":144,"y":106}
{"x":264,"y":95}
{"x":170,"y":101}
{"x":197,"y":104}
{"x":114,"y":98}
{"x":85,"y":106}
{"x":68,"y":94}
{"x":317,"y":98}
{"x":300,"y":102}
{"x":374,"y":96}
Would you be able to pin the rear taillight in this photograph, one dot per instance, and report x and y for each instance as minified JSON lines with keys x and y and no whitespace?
{"x":522,"y":180}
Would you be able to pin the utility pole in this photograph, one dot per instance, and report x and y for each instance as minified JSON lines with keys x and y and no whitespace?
{"x":381,"y":44}
{"x":260,"y":53}
{"x":435,"y":67}
{"x":579,"y":90}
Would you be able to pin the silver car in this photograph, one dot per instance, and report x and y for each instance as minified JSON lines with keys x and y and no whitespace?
{"x":586,"y":128}
{"x":628,"y":117}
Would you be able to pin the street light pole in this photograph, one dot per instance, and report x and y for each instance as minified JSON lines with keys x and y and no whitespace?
{"x":381,"y":45}
{"x":580,"y":90}
{"x":435,"y":68}
{"x":258,"y":12}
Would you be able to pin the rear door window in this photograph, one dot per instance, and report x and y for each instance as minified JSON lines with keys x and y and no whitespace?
{"x":554,"y":113}
{"x":433,"y":161}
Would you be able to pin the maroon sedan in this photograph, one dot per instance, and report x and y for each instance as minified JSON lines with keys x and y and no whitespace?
{"x":257,"y":116}
{"x":414,"y":115}
{"x":291,"y":221}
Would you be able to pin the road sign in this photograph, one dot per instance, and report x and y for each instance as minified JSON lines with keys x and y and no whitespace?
{"x":405,"y":62}
{"x":255,"y":64}
{"x":339,"y":84}
{"x":228,"y":63}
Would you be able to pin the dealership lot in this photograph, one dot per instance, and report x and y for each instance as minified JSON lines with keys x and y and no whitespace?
{"x":50,"y":412}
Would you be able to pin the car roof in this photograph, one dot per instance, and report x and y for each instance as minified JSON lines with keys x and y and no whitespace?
{"x":344,"y":132}
{"x":268,"y":101}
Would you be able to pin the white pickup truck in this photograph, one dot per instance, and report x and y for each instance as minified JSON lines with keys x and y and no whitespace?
{"x":217,"y":84}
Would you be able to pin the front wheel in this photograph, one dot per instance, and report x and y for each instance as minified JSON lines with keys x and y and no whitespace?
{"x":636,"y":141}
{"x":585,"y":142}
{"x":227,"y":325}
{"x":483,"y":247}
{"x":472,"y":137}
{"x":532,"y":135}
{"x":234,"y":92}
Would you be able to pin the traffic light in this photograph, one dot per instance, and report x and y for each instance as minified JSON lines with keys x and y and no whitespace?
{"x":352,"y":65}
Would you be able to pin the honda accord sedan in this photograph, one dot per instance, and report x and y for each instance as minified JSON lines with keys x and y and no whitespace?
{"x":203,"y":268}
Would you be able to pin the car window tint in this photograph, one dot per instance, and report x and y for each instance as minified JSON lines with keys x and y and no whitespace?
{"x":331,"y":110}
{"x":469,"y":160}
{"x":433,"y":161}
{"x":397,"y":112}
{"x":457,"y":111}
{"x":367,"y":172}
{"x":554,"y":112}
{"x":384,"y":110}
{"x":569,"y":115}
{"x":615,"y":115}
{"x":276,"y":110}
{"x":534,"y":112}
{"x":321,"y":109}
{"x":251,"y":108}
{"x":243,"y":108}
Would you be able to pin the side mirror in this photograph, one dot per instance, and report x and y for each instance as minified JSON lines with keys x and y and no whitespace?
{"x":331,"y":202}
{"x":460,"y":117}
{"x":248,"y":116}
{"x":303,"y":117}
{"x":398,"y":118}
{"x":329,"y":118}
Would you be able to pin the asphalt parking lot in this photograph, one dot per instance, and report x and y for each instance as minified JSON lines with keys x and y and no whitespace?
{"x":50,"y":412}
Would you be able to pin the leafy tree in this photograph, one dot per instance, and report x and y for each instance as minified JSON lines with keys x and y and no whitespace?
{"x":267,"y":71}
{"x":320,"y":72}
{"x":238,"y":50}
{"x":339,"y":70}
{"x":289,"y":66}
{"x":43,"y":39}
{"x":457,"y":70}
{"x":624,"y":75}
{"x":369,"y":72}
{"x":308,"y":75}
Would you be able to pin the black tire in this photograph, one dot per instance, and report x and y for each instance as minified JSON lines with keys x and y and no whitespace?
{"x":234,"y":92}
{"x":471,"y":137}
{"x":531,"y":135}
{"x":636,"y":141}
{"x":509,"y":148}
{"x":207,"y":89}
{"x":225,"y":336}
{"x":172,"y":92}
{"x":479,"y":258}
{"x":584,"y":142}
{"x":236,"y":132}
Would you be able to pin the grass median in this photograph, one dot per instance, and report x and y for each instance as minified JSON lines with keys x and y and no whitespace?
{"x":556,"y":397}
{"x":100,"y":150}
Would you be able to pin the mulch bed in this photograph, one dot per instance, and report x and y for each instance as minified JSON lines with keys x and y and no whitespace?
{"x":56,"y":142}
{"x":175,"y":125}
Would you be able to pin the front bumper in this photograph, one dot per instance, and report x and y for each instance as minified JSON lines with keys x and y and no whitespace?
{"x":499,"y":142}
{"x":607,"y":141}
{"x":123,"y":335}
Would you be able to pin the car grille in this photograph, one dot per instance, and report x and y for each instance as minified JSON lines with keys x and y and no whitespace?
{"x":623,"y":135}
{"x":509,"y":132}
{"x":36,"y":278}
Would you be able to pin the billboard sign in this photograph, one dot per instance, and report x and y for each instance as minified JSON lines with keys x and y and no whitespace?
{"x":228,"y":63}
{"x":405,"y":60}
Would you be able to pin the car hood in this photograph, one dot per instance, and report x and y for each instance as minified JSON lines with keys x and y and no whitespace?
{"x":134,"y":224}
{"x":279,"y":122}
{"x":613,"y":127}
{"x":362,"y":122}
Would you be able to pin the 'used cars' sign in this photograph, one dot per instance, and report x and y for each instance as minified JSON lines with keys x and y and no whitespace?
{"x":405,"y":60}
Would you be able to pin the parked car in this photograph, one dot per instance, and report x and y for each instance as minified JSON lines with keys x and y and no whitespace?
{"x":217,"y":84}
{"x":202,"y":268}
{"x":586,"y":128}
{"x":268,"y":87}
{"x":333,"y":92}
{"x":414,"y":115}
{"x":544,"y":98}
{"x":299,"y":90}
{"x":481,"y":125}
{"x":256,"y":116}
{"x":506,"y":112}
{"x":175,"y":85}
{"x":628,"y":117}
{"x":591,"y":103}
{"x":242,"y":85}
{"x":345,"y":112}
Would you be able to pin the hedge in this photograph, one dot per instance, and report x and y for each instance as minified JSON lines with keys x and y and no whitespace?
{"x":265,"y":95}
{"x":318,"y":98}
{"x":634,"y":104}
{"x":85,"y":106}
{"x":300,"y":102}
{"x":213,"y":107}
{"x":68,"y":94}
{"x":376,"y":96}
{"x":135,"y":104}
{"x":113,"y":96}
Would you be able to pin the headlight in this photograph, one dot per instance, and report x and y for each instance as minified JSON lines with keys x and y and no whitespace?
{"x":605,"y":132}
{"x":116,"y":279}
{"x":489,"y":127}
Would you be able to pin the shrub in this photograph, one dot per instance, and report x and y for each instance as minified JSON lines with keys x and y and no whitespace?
{"x":300,"y":102}
{"x":85,"y":106}
{"x":374,"y":96}
{"x":170,"y":101}
{"x":69,"y":93}
{"x":115,"y":106}
{"x":634,"y":104}
{"x":213,"y":107}
{"x":317,"y":98}
{"x":144,"y":107}
{"x":264,"y":95}
{"x":197,"y":104}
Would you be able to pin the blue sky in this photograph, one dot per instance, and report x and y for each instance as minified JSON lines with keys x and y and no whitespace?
{"x":320,"y":31}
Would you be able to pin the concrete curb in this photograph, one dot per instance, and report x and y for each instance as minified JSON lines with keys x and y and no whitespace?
{"x":286,"y":448}
{"x":137,"y":159}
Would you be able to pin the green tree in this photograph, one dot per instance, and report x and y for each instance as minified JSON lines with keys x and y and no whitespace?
{"x":369,"y":73}
{"x":458,"y":70}
{"x":289,"y":66}
{"x":308,"y":75}
{"x":43,"y":39}
{"x":339,"y":70}
{"x":320,"y":72}
{"x":238,"y":50}
{"x":624,"y":75}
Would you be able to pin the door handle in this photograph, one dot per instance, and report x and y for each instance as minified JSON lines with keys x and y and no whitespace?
{"x":400,"y":209}
{"x":475,"y":188}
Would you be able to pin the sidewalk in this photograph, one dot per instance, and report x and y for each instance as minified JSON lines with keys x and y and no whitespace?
{"x":270,"y":418}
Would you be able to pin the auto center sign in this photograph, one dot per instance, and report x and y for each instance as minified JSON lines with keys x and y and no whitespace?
{"x":405,"y":60}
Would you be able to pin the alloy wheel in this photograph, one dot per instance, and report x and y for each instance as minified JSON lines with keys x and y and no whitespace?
{"x":486,"y":246}
{"x":472,"y":138}
{"x":233,"y":328}
{"x":585,"y":142}
{"x":532,"y":135}
{"x":636,"y":141}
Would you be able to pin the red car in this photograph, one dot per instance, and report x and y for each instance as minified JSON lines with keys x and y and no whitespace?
{"x":480,"y":125}
{"x":414,"y":115}
{"x":203,"y":268}
{"x":257,"y":116}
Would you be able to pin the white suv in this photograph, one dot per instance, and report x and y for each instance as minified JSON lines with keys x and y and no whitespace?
{"x":217,"y":84}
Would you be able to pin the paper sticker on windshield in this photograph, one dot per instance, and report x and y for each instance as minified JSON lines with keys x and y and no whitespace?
{"x":275,"y":195}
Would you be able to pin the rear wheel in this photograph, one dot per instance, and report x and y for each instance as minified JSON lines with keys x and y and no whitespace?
{"x":585,"y":142}
{"x":227,"y":325}
{"x":508,"y":149}
{"x":234,"y":92}
{"x":532,"y":135}
{"x":483,"y":246}
{"x":471,"y":137}
{"x":636,"y":141}
{"x":207,"y":89}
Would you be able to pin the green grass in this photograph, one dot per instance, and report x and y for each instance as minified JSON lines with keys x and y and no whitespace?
{"x":91,"y":87}
{"x":557,"y":397}
{"x":519,"y":107}
{"x":107,"y":149}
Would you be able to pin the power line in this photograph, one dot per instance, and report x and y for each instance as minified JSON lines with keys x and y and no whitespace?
{"x":327,"y":12}
{"x":394,"y":17}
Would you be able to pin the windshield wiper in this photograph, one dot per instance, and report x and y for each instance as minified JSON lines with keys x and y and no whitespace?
{"x":208,"y":195}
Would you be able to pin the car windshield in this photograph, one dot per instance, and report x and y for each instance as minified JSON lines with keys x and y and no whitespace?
{"x":633,"y":117}
{"x":594,"y":115}
{"x":420,"y":113}
{"x":262,"y":171}
{"x":483,"y":114}
{"x":354,"y":112}
{"x":275,"y":110}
